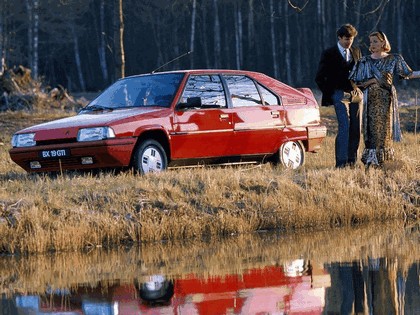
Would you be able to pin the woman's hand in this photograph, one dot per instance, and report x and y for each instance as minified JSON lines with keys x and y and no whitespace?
{"x":414,"y":75}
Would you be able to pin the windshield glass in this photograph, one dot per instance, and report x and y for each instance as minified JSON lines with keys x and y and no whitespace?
{"x":147,"y":90}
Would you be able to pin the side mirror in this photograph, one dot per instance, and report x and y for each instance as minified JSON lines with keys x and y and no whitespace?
{"x":192,"y":102}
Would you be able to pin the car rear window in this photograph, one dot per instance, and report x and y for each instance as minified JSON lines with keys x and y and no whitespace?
{"x":243,"y":91}
{"x":268,"y":97}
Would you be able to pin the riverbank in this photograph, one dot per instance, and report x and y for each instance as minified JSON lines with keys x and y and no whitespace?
{"x":74,"y":212}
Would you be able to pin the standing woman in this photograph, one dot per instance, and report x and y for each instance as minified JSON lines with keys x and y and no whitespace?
{"x":374,"y":74}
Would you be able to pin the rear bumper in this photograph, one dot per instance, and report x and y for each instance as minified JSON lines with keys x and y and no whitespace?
{"x":316,"y":135}
{"x":113,"y":153}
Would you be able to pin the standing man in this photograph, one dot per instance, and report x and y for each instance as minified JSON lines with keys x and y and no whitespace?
{"x":332,"y":78}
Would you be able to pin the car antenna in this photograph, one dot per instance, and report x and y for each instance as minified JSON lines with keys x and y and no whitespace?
{"x":170,"y":61}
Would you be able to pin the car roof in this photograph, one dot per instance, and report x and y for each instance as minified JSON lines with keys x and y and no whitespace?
{"x":199,"y":71}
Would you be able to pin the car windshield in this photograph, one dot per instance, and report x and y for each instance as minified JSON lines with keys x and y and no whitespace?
{"x":138,"y":91}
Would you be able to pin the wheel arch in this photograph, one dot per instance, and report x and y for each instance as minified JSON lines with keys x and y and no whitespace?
{"x":157,"y":135}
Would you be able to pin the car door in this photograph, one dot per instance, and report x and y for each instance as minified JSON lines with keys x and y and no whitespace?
{"x":205,"y":130}
{"x":258,"y":116}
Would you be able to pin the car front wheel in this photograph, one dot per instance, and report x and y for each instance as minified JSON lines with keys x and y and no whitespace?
{"x":292,"y":154}
{"x":150,"y":157}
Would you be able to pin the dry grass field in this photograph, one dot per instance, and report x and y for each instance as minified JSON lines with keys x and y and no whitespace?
{"x":74,"y":211}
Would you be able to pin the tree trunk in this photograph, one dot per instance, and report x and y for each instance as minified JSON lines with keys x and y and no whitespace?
{"x":121,"y":18}
{"x":32,"y":7}
{"x":78,"y":61}
{"x":399,"y":21}
{"x":118,"y":40}
{"x":176,"y":49}
{"x":30,"y":14}
{"x":36,"y":40}
{"x":273,"y":41}
{"x":400,"y":29}
{"x":192,"y":39}
{"x":2,"y":50}
{"x":358,"y":9}
{"x":238,"y":35}
{"x":251,"y":35}
{"x":204,"y":38}
{"x":217,"y":44}
{"x":158,"y":40}
{"x":288,"y":47}
{"x":102,"y":45}
{"x":321,"y":19}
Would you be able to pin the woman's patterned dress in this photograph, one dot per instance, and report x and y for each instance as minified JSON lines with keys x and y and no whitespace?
{"x":380,"y":113}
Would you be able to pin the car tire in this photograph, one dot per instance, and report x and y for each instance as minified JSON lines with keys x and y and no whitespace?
{"x":292,"y":154}
{"x":150,"y":157}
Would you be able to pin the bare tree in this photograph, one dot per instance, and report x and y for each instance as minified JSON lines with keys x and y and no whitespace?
{"x":288,"y":45}
{"x":119,"y":53}
{"x":2,"y":37}
{"x":204,"y":39}
{"x":102,"y":45}
{"x":77,"y":59}
{"x":238,"y":34}
{"x":217,"y":43}
{"x":321,"y":18}
{"x":61,"y":20}
{"x":32,"y":7}
{"x":251,"y":29}
{"x":192,"y":38}
{"x":273,"y":41}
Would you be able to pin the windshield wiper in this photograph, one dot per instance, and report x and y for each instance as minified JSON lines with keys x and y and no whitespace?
{"x":97,"y":108}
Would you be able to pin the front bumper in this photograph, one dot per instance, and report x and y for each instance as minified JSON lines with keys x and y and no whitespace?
{"x":111,"y":153}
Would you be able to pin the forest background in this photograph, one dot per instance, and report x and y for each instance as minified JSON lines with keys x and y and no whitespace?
{"x":84,"y":45}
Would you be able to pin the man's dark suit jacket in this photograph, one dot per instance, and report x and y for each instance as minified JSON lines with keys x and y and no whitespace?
{"x":333,"y":72}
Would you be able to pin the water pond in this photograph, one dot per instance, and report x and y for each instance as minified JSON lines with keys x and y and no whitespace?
{"x":372,"y":270}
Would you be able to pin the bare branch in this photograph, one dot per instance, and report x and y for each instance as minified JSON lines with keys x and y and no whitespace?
{"x":298,"y":9}
{"x":381,"y":6}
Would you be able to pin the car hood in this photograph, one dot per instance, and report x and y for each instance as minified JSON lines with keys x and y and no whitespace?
{"x":68,"y":127}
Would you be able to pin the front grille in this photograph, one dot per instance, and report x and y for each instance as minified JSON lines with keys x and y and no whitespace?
{"x":68,"y":163}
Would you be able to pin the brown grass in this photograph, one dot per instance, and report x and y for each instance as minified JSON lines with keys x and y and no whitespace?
{"x":81,"y":211}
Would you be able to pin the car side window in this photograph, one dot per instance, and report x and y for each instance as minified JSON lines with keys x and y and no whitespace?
{"x":243,"y":91}
{"x":268,"y":97}
{"x":208,"y":87}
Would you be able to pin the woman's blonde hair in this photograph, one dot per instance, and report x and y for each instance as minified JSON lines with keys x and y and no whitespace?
{"x":382,"y":37}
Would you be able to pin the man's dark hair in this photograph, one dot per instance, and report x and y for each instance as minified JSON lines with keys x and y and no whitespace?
{"x":347,"y":30}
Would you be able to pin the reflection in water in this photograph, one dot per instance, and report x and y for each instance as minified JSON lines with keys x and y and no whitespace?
{"x":365,"y":271}
{"x":375,"y":286}
{"x":157,"y":290}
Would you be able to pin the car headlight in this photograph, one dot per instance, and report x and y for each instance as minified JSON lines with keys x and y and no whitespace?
{"x":94,"y":134}
{"x":23,"y":140}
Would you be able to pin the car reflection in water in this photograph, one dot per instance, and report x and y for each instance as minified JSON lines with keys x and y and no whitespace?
{"x":292,"y":288}
{"x":372,"y":286}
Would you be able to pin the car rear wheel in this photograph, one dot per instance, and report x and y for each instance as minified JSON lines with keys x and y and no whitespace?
{"x":292,"y":154}
{"x":150,"y":157}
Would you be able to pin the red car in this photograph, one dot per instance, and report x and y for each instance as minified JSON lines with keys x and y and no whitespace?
{"x":158,"y":120}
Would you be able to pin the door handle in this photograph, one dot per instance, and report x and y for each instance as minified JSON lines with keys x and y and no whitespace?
{"x":275,"y":114}
{"x":224,"y":116}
